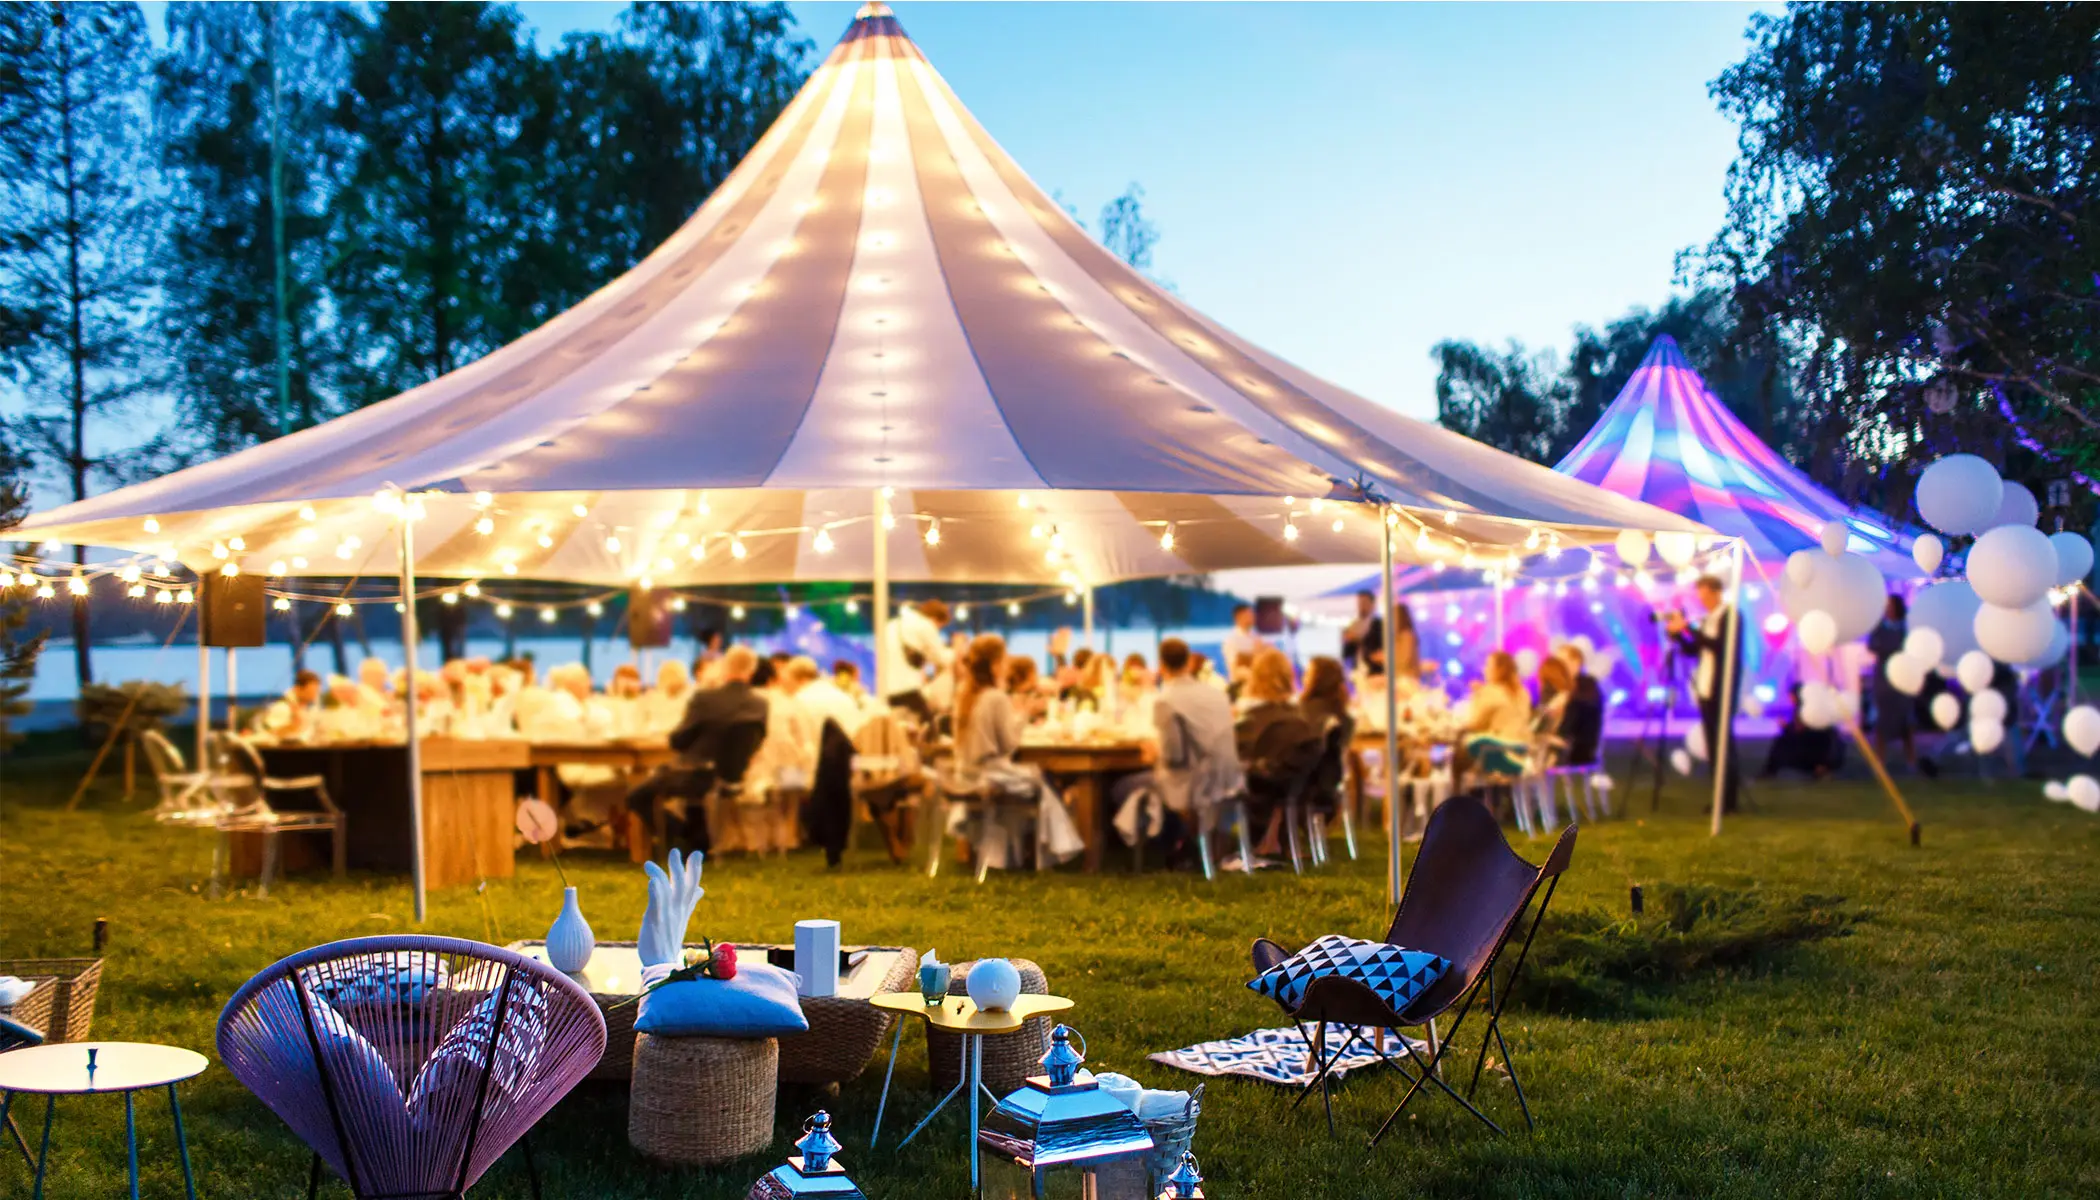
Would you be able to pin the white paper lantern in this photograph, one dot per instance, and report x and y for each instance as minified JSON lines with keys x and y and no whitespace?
{"x":1959,"y":494}
{"x":2084,"y":791}
{"x":1927,"y":552}
{"x":1985,"y":736}
{"x":1987,"y":705}
{"x":2016,"y":636}
{"x":1677,"y":549}
{"x":1847,"y":705}
{"x":1849,"y":588}
{"x":1633,"y":547}
{"x":1923,"y":644}
{"x":1975,"y":669}
{"x":1949,"y":609}
{"x":2016,"y":506}
{"x":1801,"y":567}
{"x":1681,"y":760}
{"x":1695,"y":742}
{"x":1819,"y":708}
{"x":2074,"y":557}
{"x":2082,"y":729}
{"x":1907,"y":674}
{"x":2012,"y":566}
{"x":1818,"y":632}
{"x":2055,"y":790}
{"x":1834,"y":537}
{"x":1946,"y":710}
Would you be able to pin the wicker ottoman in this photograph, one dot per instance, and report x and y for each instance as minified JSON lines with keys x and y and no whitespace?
{"x":845,"y":1035}
{"x":1009,"y":1059}
{"x":698,"y":1101}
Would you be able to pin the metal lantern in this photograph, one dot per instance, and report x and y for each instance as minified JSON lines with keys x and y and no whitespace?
{"x":1185,"y":1183}
{"x":814,"y":1172}
{"x":1060,"y":1136}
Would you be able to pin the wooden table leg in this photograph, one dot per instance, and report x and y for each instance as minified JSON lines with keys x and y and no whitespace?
{"x":1084,"y":799}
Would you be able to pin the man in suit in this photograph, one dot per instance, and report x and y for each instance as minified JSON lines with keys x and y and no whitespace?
{"x":716,"y":741}
{"x":1708,"y":642}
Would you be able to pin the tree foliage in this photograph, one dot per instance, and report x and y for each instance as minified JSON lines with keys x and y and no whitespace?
{"x":19,"y":646}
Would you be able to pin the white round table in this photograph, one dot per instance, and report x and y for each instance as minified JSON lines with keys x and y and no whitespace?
{"x":118,"y":1067}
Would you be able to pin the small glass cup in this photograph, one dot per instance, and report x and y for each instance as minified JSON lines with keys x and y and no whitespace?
{"x":933,"y":982}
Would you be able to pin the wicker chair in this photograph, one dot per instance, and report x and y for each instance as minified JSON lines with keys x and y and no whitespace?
{"x":1009,"y":1059}
{"x":481,"y":1042}
{"x":253,"y":787}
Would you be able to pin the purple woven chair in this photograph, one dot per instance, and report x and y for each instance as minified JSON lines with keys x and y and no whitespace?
{"x":410,"y":1064}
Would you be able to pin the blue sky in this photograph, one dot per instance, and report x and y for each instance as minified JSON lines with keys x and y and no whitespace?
{"x":1346,"y":184}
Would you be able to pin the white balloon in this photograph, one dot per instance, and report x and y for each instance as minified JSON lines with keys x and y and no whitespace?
{"x":1801,"y":567}
{"x":2082,"y":729}
{"x":2084,"y":791}
{"x":1681,"y":761}
{"x":1927,"y":551}
{"x":1946,"y":710}
{"x":1848,"y":587}
{"x":2059,"y":646}
{"x":1677,"y":549}
{"x":1818,"y":632}
{"x":1847,"y":705}
{"x":1959,"y":494}
{"x":1987,"y":706}
{"x":2074,"y":557}
{"x":1985,"y":736}
{"x":1819,"y":707}
{"x":1907,"y":674}
{"x":1527,"y":661}
{"x":2016,"y":505}
{"x":1949,"y":609}
{"x":2016,"y":636}
{"x":2012,"y":566}
{"x":1834,"y":537}
{"x":1974,"y":670}
{"x":1923,"y":644}
{"x":1633,"y":547}
{"x":2055,"y":790}
{"x":1695,"y":742}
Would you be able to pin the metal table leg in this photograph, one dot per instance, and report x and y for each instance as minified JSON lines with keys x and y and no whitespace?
{"x":895,"y":1044}
{"x":936,"y":1109}
{"x":7,"y":1100}
{"x":43,"y":1150}
{"x":976,"y":1083}
{"x":131,"y":1142}
{"x":182,"y":1145}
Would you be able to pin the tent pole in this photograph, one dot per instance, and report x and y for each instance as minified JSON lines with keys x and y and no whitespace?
{"x":408,"y":662}
{"x":1729,"y":652}
{"x":881,"y":627}
{"x":233,"y":694}
{"x":1086,"y":615}
{"x":1501,"y":639}
{"x":1393,"y":881}
{"x":203,"y":680}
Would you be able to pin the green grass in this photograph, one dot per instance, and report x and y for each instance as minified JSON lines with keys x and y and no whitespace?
{"x":1811,"y":1007}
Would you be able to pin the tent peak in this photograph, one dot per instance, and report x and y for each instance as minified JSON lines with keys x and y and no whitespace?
{"x":1663,"y":352}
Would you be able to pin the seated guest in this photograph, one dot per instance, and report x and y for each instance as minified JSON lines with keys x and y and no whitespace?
{"x":1582,"y":716}
{"x":1554,"y":684}
{"x":1201,"y":670}
{"x":1193,"y":755}
{"x":622,"y":700}
{"x":1797,"y":747}
{"x":436,"y":716}
{"x":1135,"y":694}
{"x":1278,"y":747}
{"x":1498,"y":722}
{"x":822,"y":697}
{"x":345,"y":716}
{"x":987,"y":736}
{"x":1325,"y":699}
{"x":375,"y":694}
{"x":294,"y":716}
{"x":505,"y":683}
{"x":845,"y":676}
{"x":1092,"y":690}
{"x":721,"y":731}
{"x":664,"y":704}
{"x":1025,"y":684}
{"x":787,"y":757}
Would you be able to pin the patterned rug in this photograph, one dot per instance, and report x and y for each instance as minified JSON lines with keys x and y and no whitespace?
{"x":1281,"y":1056}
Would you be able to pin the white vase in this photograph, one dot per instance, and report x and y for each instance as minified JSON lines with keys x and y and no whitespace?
{"x":994,"y":984}
{"x":570,"y":940}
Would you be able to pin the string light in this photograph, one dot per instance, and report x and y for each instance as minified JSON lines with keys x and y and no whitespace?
{"x":702,"y":508}
{"x":1166,"y":538}
{"x":1071,"y":598}
{"x":136,"y":591}
{"x":1037,"y":531}
{"x":152,"y":525}
{"x":485,"y":526}
{"x":1318,"y":505}
{"x":237,"y":543}
{"x":594,"y":609}
{"x":343,"y":609}
{"x":822,"y":542}
{"x":1290,"y":531}
{"x":645,"y":583}
{"x":306,"y":512}
{"x":889,"y":519}
{"x":77,"y":585}
{"x":218,"y":549}
{"x":1337,"y":526}
{"x":277,"y":566}
{"x":678,"y":604}
{"x":736,"y":547}
{"x":546,"y":541}
{"x":1013,"y":608}
{"x":791,"y":611}
{"x":230,"y":570}
{"x":281,"y":604}
{"x":185,"y":596}
{"x":612,"y":545}
{"x":962,"y":612}
{"x":1023,"y":499}
{"x":736,"y":612}
{"x":7,"y":578}
{"x":547,"y":616}
{"x":449,"y":597}
{"x":579,"y":510}
{"x":129,"y":574}
{"x":400,"y":607}
{"x":1392,"y":519}
{"x":164,"y":596}
{"x":852,"y":608}
{"x":510,"y":568}
{"x":697,"y":553}
{"x":503,"y":612}
{"x":472,"y":589}
{"x":933,"y":533}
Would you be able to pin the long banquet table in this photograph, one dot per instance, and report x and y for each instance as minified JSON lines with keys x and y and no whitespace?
{"x":1085,"y":765}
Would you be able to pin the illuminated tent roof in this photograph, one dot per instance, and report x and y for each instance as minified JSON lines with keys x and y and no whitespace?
{"x":876,"y":297}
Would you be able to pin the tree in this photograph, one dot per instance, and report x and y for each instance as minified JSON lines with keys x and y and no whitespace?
{"x":18,"y":646}
{"x":1513,"y":399}
{"x":1913,"y":203}
{"x":244,"y":98}
{"x":76,"y":229}
{"x":1125,"y":230}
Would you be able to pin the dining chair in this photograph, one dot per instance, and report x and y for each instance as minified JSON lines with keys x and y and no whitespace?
{"x":187,"y":797}
{"x":255,"y":796}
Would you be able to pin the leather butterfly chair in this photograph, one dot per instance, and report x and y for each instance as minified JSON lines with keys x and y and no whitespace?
{"x":1466,"y":898}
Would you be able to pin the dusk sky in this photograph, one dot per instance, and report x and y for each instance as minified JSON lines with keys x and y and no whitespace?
{"x":1346,"y":184}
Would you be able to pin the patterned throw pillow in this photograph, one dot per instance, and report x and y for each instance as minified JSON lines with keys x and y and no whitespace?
{"x":1396,"y":973}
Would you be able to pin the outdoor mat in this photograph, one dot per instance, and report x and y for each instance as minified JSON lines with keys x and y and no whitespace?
{"x":1281,"y":1056}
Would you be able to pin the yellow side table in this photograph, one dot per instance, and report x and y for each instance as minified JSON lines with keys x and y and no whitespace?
{"x":960,"y":1015}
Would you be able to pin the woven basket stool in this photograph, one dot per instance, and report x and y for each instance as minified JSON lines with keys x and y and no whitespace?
{"x":844,"y":1035}
{"x":1009,"y":1058}
{"x":696,"y":1101}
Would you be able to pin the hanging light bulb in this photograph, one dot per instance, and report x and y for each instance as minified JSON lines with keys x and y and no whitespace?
{"x":1037,"y":531}
{"x":230,"y":570}
{"x":736,"y":547}
{"x":281,"y":604}
{"x":645,"y":583}
{"x":237,"y":543}
{"x":218,"y":549}
{"x":164,"y":596}
{"x":1422,"y":542}
{"x":1450,"y":517}
{"x":136,"y":591}
{"x":962,"y":612}
{"x":1166,"y":538}
{"x":546,"y":541}
{"x":485,"y":526}
{"x":889,"y":519}
{"x":1290,"y":531}
{"x":1392,"y":519}
{"x":1013,"y":608}
{"x":77,"y":585}
{"x":579,"y":510}
{"x":341,"y":610}
{"x":547,"y":615}
{"x":933,"y":533}
{"x":400,"y":607}
{"x":888,"y":492}
{"x":822,"y":542}
{"x":852,"y":608}
{"x":1318,"y":505}
{"x":595,"y":609}
{"x":612,"y":545}
{"x":306,"y":512}
{"x":152,"y":525}
{"x":702,"y":507}
{"x":130,"y":574}
{"x":1057,"y":538}
{"x":736,"y":612}
{"x":471,"y":588}
{"x":697,"y":553}
{"x":449,"y":597}
{"x":503,"y":612}
{"x":185,"y":596}
{"x":1337,"y":526}
{"x":678,"y":604}
{"x":298,"y":562}
{"x":1024,"y":501}
{"x":7,"y":578}
{"x":791,"y":611}
{"x":1071,"y":598}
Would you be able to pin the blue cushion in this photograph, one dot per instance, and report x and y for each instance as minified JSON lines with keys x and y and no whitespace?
{"x":462,"y":1055}
{"x":1396,"y":973}
{"x":759,"y":1003}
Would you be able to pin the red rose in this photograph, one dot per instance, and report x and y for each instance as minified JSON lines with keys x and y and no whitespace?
{"x":723,"y":964}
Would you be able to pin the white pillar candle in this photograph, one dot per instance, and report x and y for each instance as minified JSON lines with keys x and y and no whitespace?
{"x":817,"y":957}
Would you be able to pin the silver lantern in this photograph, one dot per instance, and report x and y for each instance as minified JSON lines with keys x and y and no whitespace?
{"x":814,"y":1172}
{"x":1185,"y":1183}
{"x":1060,"y":1137}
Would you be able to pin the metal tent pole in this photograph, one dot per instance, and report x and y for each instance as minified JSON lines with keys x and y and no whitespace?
{"x":203,"y":680}
{"x":408,"y":662}
{"x":1394,"y":883}
{"x":1730,"y":650}
{"x":1086,"y":615}
{"x":233,"y":693}
{"x":882,"y":599}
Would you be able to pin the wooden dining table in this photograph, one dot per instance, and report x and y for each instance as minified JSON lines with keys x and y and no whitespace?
{"x":1085,"y":765}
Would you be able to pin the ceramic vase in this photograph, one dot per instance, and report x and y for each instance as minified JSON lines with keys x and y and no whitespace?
{"x":569,"y":940}
{"x":994,"y":984}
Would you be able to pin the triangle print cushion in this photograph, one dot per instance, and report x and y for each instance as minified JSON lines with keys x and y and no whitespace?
{"x":1396,"y":973}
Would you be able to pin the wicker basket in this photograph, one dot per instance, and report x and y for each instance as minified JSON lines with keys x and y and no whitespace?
{"x":1009,"y":1058}
{"x":698,"y":1101}
{"x":844,"y":1035}
{"x":62,"y":1004}
{"x":1170,"y":1137}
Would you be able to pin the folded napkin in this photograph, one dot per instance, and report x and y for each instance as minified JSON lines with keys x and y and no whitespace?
{"x":13,"y":991}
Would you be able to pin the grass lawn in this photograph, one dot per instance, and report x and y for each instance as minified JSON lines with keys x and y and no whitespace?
{"x":1936,"y":1040}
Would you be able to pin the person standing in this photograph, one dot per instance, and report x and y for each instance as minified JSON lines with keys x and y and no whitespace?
{"x":1243,"y":643}
{"x":1365,"y":636}
{"x":1895,"y":714}
{"x":915,"y":644}
{"x":1708,"y":641}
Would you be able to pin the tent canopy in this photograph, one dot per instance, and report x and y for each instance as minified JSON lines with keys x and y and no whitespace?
{"x":876,"y":297}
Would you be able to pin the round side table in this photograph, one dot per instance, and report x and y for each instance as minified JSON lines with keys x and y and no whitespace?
{"x":90,"y":1068}
{"x":957,"y":1014}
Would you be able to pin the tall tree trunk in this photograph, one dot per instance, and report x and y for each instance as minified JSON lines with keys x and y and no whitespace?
{"x":76,"y":349}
